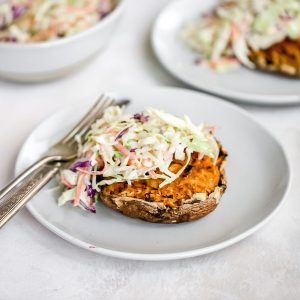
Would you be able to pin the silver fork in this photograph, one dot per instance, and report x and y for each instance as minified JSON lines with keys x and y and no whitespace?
{"x":65,"y":149}
{"x":27,"y":184}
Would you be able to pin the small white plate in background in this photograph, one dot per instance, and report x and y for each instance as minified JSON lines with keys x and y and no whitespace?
{"x":242,"y":85}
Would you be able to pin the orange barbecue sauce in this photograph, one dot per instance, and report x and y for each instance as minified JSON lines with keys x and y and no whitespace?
{"x":200,"y":176}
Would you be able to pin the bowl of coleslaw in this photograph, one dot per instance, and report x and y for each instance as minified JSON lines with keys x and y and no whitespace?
{"x":47,"y":39}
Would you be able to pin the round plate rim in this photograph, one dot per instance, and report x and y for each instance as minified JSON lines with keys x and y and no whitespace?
{"x":172,"y":255}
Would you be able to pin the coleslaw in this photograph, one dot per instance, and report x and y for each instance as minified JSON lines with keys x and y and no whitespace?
{"x":27,"y":21}
{"x":223,"y":36}
{"x":124,"y":147}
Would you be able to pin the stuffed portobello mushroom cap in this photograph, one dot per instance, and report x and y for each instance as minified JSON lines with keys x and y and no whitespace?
{"x":193,"y":195}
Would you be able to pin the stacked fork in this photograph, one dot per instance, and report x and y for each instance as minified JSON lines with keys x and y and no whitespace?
{"x":17,"y":193}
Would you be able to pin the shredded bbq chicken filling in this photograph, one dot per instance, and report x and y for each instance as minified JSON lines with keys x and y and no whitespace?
{"x":200,"y":176}
{"x":283,"y":57}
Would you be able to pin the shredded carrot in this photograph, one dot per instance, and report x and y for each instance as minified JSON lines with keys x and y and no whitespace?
{"x":200,"y":156}
{"x":86,"y":172}
{"x":168,"y":156}
{"x":234,"y":32}
{"x":221,"y":61}
{"x":88,"y":154}
{"x":103,"y":158}
{"x":89,"y":202}
{"x":122,"y":149}
{"x":111,"y":131}
{"x":153,"y":174}
{"x":131,"y":158}
{"x":78,"y":189}
{"x":66,"y":182}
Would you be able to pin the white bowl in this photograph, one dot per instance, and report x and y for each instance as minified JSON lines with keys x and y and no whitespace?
{"x":49,"y":60}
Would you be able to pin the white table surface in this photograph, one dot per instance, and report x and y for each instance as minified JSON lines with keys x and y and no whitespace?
{"x":36,"y":264}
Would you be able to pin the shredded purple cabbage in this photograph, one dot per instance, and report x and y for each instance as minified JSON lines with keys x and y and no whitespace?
{"x":121,"y":133}
{"x":80,"y":163}
{"x":90,"y":191}
{"x":91,"y":209}
{"x":18,"y":10}
{"x":286,"y":17}
{"x":141,"y":117}
{"x":104,"y":8}
{"x":198,"y":61}
{"x":9,"y":39}
{"x":2,"y":22}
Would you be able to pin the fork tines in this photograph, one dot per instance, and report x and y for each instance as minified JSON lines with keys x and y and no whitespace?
{"x":89,"y":118}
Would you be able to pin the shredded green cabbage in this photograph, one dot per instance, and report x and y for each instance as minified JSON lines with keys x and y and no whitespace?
{"x":29,"y":21}
{"x":223,"y":36}
{"x":124,"y":147}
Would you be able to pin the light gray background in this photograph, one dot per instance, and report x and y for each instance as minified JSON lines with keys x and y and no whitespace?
{"x":36,"y":264}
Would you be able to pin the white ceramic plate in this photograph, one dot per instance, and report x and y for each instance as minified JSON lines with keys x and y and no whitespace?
{"x":258,"y":178}
{"x":242,"y":85}
{"x":47,"y":60}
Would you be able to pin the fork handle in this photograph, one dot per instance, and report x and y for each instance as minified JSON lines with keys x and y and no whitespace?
{"x":13,"y":201}
{"x":27,"y":172}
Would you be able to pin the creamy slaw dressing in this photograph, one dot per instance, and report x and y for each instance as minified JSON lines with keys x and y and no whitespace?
{"x":223,"y":36}
{"x":124,"y":147}
{"x":41,"y":20}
